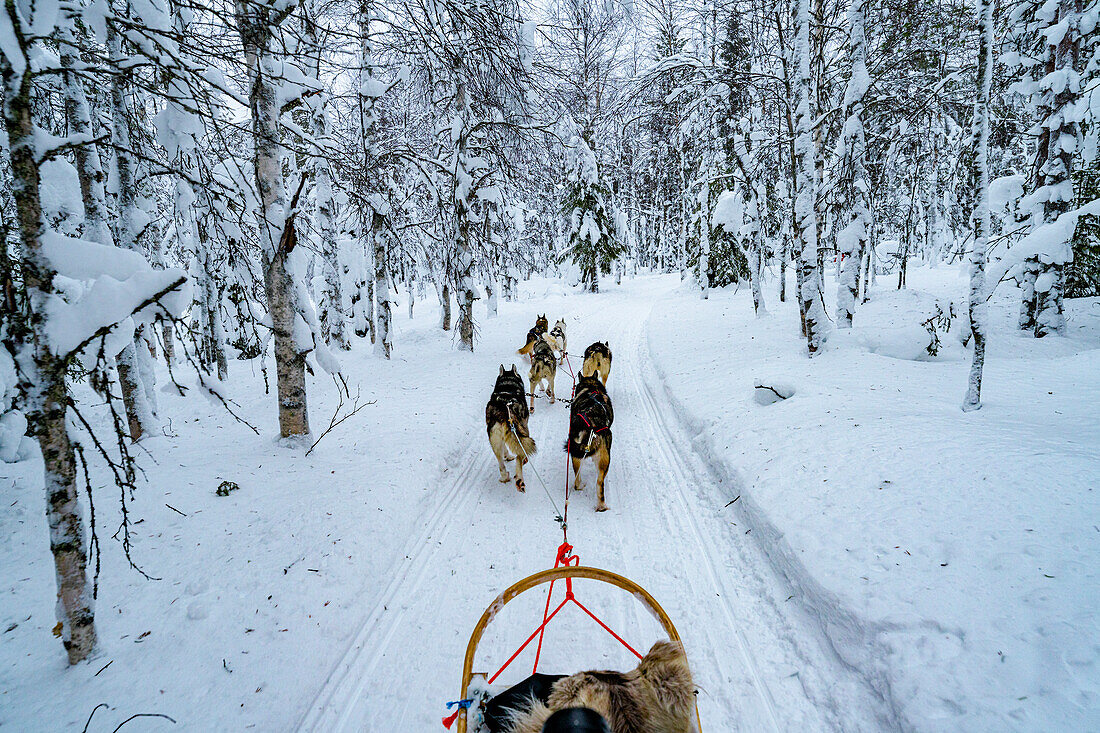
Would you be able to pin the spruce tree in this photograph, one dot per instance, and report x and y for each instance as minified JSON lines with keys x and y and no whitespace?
{"x":592,"y":243}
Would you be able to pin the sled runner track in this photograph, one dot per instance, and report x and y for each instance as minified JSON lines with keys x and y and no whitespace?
{"x":662,"y":442}
{"x":345,"y":683}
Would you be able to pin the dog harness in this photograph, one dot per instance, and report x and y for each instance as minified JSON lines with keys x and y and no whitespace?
{"x":584,"y":417}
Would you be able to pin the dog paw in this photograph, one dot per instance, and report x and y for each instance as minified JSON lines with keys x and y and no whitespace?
{"x":505,"y":478}
{"x":578,"y":486}
{"x":520,"y":486}
{"x":601,"y":507}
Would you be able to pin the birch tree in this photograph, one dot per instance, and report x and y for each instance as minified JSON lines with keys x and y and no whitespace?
{"x":257,"y":23}
{"x":854,"y":186}
{"x":980,"y":137}
{"x":805,"y":190}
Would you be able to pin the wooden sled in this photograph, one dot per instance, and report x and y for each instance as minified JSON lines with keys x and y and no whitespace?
{"x":567,"y":573}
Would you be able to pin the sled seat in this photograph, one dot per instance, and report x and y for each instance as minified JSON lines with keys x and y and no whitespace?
{"x":539,"y":684}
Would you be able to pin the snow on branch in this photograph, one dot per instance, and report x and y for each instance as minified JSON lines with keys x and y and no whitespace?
{"x":1049,"y":242}
{"x":102,"y":290}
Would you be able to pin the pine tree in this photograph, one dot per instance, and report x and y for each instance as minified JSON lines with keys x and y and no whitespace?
{"x":592,"y":244}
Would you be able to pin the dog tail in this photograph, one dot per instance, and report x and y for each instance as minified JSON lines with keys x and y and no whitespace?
{"x":528,"y":443}
{"x":526,"y":348}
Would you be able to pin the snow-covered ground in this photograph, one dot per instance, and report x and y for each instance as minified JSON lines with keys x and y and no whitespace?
{"x":952,"y":558}
{"x":891,"y":562}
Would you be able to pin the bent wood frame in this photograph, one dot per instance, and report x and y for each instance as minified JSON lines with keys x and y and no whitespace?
{"x":547,"y":576}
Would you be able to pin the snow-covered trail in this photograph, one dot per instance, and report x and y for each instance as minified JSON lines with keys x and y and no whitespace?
{"x":758,"y":661}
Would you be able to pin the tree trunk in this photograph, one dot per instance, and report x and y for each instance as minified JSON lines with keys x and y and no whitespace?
{"x":47,"y":392}
{"x":783,"y":254}
{"x":852,"y":239}
{"x":88,"y":167}
{"x":445,"y":305}
{"x":384,"y":343}
{"x":277,"y":235}
{"x":139,"y":412}
{"x":331,"y":310}
{"x":805,"y":205}
{"x":980,"y":135}
{"x":704,"y":241}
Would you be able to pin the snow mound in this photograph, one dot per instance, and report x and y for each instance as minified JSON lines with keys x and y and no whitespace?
{"x":909,"y":325}
{"x":769,"y":391}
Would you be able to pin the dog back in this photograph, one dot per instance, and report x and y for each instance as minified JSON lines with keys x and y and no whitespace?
{"x":590,"y":417}
{"x":507,"y":400}
{"x":598,"y":349}
{"x":543,"y":355}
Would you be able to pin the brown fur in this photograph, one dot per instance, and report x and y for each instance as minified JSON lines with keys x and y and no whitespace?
{"x":539,"y":330}
{"x":506,"y":417}
{"x":533,"y":338}
{"x":597,"y":360}
{"x":544,"y":368}
{"x":656,"y":697}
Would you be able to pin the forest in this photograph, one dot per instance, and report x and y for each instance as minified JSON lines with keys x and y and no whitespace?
{"x":233,"y":214}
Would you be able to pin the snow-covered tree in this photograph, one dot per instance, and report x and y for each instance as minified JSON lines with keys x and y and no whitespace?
{"x":592,"y":245}
{"x":980,"y":136}
{"x":854,"y":186}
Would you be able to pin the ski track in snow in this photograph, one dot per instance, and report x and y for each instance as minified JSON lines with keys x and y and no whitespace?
{"x":758,"y":661}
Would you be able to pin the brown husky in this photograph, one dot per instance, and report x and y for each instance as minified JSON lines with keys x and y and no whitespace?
{"x":597,"y":358}
{"x":656,"y":697}
{"x":544,"y":367}
{"x":590,"y":418}
{"x":541,"y":324}
{"x":506,"y":422}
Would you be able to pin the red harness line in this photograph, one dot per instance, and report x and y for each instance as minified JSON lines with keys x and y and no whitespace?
{"x":564,"y":558}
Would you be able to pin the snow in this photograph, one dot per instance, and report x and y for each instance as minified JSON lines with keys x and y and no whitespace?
{"x":951,"y":557}
{"x":860,"y":555}
{"x":59,"y":188}
{"x":729,"y":212}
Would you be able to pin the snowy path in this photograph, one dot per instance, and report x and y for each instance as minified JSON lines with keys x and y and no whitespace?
{"x":758,"y":661}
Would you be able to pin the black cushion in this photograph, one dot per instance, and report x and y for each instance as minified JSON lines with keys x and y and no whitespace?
{"x":518,"y":697}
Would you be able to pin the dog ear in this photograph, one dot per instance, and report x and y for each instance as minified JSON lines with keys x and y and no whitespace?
{"x":514,"y":370}
{"x":501,"y":371}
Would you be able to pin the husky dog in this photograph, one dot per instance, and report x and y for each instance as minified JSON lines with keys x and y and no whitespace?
{"x":544,"y":367}
{"x":656,"y":697}
{"x":541,"y":324}
{"x":557,"y":339}
{"x":597,"y":358}
{"x":590,"y":418}
{"x":506,"y":422}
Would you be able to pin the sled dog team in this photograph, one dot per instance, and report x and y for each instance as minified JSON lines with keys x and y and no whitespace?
{"x":590,"y":412}
{"x":658,"y":695}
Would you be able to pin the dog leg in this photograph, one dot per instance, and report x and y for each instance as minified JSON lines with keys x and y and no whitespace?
{"x":577,"y":485}
{"x":500,"y":450}
{"x":603,"y":461}
{"x":521,"y":487}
